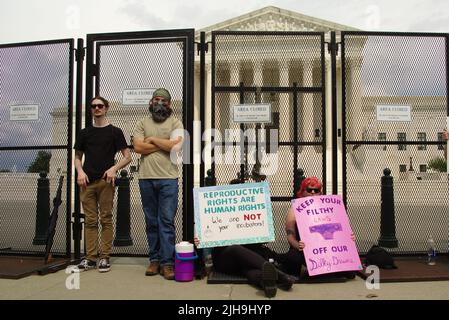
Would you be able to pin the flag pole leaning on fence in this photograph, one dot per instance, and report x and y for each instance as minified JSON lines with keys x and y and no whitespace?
{"x":53,"y":219}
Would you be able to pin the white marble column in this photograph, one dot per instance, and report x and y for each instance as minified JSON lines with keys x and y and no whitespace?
{"x":328,"y":124}
{"x":306,"y":125}
{"x":234,"y":97}
{"x":208,"y":98}
{"x":285,"y":109}
{"x":258,"y":73}
{"x":224,"y":111}
{"x":206,"y":136}
{"x":355,"y":122}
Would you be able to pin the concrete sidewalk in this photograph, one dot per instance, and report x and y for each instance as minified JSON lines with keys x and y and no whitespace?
{"x":126,"y":281}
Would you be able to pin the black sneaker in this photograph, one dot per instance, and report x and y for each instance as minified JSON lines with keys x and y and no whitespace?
{"x":104,"y":265}
{"x":269,"y":279}
{"x":84,"y":265}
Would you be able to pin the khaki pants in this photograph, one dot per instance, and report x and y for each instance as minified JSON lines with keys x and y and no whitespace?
{"x":97,"y":200}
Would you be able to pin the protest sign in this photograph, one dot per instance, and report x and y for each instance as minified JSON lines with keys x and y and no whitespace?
{"x":324,"y":228}
{"x":233,"y":214}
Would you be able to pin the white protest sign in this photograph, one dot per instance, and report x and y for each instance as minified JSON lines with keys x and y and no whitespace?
{"x":233,"y":214}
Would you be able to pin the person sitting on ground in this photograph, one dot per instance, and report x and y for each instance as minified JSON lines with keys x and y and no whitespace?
{"x":293,"y":260}
{"x":250,"y":262}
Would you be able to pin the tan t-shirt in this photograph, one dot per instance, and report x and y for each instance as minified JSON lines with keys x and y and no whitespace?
{"x":157,"y":165}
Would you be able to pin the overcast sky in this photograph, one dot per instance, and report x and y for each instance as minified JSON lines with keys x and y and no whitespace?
{"x":32,"y":20}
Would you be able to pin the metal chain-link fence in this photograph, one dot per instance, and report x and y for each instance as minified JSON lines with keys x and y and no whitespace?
{"x":395,"y":108}
{"x":123,"y":64}
{"x":284,"y":70}
{"x":35,"y":136}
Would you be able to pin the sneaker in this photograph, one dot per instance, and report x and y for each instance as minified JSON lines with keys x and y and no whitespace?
{"x":168,"y":272}
{"x":84,"y":265}
{"x":104,"y":265}
{"x":269,"y":279}
{"x":153,"y":268}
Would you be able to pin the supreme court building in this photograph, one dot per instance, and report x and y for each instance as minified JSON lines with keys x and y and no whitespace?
{"x":346,"y":105}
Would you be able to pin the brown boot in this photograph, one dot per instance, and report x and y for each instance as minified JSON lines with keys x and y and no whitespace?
{"x":153,"y":269}
{"x":168,"y":272}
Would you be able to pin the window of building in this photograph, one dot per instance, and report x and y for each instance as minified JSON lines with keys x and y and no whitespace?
{"x":440,"y":138}
{"x":402,"y":137}
{"x":423,"y":138}
{"x":402,"y":168}
{"x":382,"y":136}
{"x":423,"y":168}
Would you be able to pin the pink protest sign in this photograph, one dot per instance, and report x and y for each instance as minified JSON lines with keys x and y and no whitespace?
{"x":324,"y":228}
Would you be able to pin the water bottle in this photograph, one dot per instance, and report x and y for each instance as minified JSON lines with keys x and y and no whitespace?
{"x":208,"y":263}
{"x":431,"y":252}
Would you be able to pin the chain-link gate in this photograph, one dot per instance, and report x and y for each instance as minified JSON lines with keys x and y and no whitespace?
{"x":120,"y":63}
{"x":394,"y":90}
{"x":36,"y":84}
{"x":395,"y":104}
{"x":285,"y":70}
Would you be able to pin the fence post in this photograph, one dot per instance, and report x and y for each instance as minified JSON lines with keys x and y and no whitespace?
{"x":123,"y":225}
{"x":387,"y":221}
{"x":200,"y":267}
{"x":210,"y":180}
{"x":298,"y":179}
{"x":42,"y":209}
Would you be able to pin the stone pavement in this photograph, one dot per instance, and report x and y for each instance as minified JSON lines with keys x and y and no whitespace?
{"x":126,"y":281}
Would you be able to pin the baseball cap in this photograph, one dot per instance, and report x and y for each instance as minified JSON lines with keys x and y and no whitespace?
{"x":161,"y":92}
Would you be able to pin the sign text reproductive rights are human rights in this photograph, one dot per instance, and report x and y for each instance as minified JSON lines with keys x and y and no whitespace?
{"x":324,"y":228}
{"x":233,"y":214}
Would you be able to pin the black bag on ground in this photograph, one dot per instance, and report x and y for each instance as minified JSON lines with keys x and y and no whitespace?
{"x":380,"y":257}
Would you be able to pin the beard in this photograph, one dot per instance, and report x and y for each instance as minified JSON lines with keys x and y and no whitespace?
{"x":160,"y":112}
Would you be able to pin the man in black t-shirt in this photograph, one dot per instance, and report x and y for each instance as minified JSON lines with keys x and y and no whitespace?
{"x":96,"y":178}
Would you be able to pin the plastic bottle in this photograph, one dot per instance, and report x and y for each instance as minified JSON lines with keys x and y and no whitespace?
{"x":431,"y":252}
{"x":208,"y":263}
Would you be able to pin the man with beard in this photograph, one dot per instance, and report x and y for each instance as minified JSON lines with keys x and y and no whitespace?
{"x":96,"y":178}
{"x":155,"y":138}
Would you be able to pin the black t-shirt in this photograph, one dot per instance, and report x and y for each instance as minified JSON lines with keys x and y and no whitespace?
{"x":99,"y":146}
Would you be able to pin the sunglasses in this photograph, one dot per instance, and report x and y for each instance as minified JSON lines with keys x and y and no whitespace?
{"x":99,"y":106}
{"x":310,"y":190}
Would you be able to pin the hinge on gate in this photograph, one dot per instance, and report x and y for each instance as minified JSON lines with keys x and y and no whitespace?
{"x":94,"y":69}
{"x":329,"y":47}
{"x":79,"y":54}
{"x":199,"y":48}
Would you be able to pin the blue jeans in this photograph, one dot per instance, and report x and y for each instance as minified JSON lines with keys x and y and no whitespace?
{"x":160,"y":202}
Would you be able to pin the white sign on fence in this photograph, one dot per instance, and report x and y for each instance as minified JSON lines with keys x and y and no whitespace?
{"x":393,"y":113}
{"x":252,"y":113}
{"x":137,"y":97}
{"x":26,"y":112}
